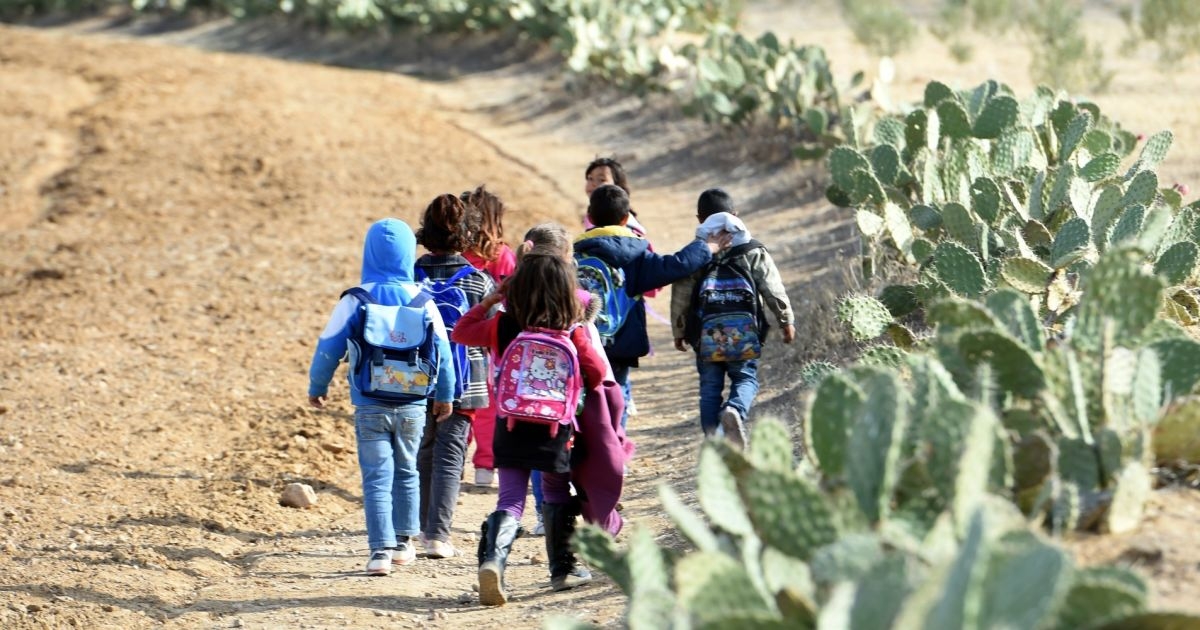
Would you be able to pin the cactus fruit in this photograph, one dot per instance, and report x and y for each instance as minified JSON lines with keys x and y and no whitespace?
{"x":1026,"y":274}
{"x":959,"y":269}
{"x":866,"y":317}
{"x":1000,"y":114}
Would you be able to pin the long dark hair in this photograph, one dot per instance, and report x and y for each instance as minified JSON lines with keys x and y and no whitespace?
{"x":614,"y":167}
{"x":443,"y":226}
{"x":541,"y":292}
{"x":485,"y":220}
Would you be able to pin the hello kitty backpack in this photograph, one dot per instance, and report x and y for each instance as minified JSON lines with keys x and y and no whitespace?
{"x":538,"y":379}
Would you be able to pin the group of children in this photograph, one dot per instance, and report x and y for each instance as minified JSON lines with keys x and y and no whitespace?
{"x":531,"y":352}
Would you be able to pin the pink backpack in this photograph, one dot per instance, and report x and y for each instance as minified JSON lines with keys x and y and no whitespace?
{"x":538,"y":379}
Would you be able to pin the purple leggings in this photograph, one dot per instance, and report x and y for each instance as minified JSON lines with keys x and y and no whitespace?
{"x":514,"y":487}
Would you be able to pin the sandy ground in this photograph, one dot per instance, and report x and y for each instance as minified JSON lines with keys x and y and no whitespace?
{"x":175,"y":226}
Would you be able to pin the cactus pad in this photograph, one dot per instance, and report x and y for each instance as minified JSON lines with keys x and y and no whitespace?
{"x":1000,"y":114}
{"x":1178,"y":262}
{"x":866,"y":317}
{"x":716,"y":490}
{"x":1101,"y":167}
{"x":953,"y":119}
{"x":771,"y":446}
{"x":1070,"y":244}
{"x":831,"y":416}
{"x":714,"y":586}
{"x":1014,"y":366}
{"x":1014,"y":311}
{"x":952,"y":313}
{"x":1073,"y":134}
{"x":1180,"y":366}
{"x":788,"y":512}
{"x":1128,"y":227}
{"x":1026,"y":274}
{"x":985,"y":199}
{"x":1119,"y":290}
{"x":1102,"y":594}
{"x":1141,"y":190}
{"x":873,"y":448}
{"x":1129,"y":499}
{"x":936,"y":92}
{"x":959,"y":269}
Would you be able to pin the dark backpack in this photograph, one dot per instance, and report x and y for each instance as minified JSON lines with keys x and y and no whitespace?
{"x":452,"y":303}
{"x":393,"y":356}
{"x":726,"y":321}
{"x":608,"y":284}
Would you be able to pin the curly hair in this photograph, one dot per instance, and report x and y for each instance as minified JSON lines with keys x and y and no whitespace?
{"x":444,"y":226}
{"x":485,"y":222}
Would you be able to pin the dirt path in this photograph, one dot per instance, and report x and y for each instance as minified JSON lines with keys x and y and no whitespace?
{"x":176,"y":225}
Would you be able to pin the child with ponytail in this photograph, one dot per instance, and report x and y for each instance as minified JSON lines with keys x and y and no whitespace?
{"x":541,"y":293}
{"x":488,"y":252}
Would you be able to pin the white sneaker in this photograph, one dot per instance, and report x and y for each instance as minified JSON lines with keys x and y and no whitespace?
{"x":484,"y":476}
{"x":438,"y":549}
{"x":735,"y":429}
{"x":630,"y":407}
{"x":540,"y":528}
{"x":380,"y":562}
{"x":405,"y":553}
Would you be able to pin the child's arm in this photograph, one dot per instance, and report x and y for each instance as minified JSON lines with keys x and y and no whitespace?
{"x":446,"y":379}
{"x":475,"y":328}
{"x":331,"y":349}
{"x":774,"y":294}
{"x":591,"y":362}
{"x":654,"y":270}
{"x":681,"y":306}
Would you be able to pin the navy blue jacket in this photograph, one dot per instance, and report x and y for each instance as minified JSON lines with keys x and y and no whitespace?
{"x":644,"y":271}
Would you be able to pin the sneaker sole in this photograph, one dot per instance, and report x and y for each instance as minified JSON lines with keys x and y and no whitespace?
{"x":379,"y":572}
{"x":490,"y":591}
{"x":730,"y":422}
{"x":400,"y":562}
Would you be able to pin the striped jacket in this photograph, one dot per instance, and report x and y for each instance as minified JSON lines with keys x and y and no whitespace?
{"x":476,"y":286}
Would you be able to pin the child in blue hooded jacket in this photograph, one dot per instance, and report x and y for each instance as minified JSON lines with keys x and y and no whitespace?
{"x":388,"y":434}
{"x":621,"y":248}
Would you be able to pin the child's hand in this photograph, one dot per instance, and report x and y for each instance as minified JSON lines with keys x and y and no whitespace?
{"x":679,"y":345}
{"x":497,"y":296}
{"x":719,"y":241}
{"x":789,"y":333}
{"x":441,"y":410}
{"x":316,"y":401}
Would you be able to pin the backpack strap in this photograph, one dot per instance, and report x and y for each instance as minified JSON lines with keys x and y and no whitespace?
{"x":361,"y":294}
{"x":462,"y":272}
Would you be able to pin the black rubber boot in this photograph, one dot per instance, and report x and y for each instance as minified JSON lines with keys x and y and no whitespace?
{"x":495,"y":541}
{"x":565,"y":571}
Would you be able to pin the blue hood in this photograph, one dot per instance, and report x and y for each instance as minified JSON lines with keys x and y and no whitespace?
{"x":389,"y":252}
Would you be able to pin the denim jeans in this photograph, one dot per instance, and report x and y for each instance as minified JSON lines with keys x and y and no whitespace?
{"x":621,"y":376}
{"x":387,"y":439}
{"x":743,"y":387}
{"x":440,"y":462}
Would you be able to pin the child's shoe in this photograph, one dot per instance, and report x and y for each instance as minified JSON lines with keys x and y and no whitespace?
{"x":484,"y":476}
{"x":438,"y":549}
{"x":404,"y":553}
{"x":630,"y":407}
{"x":735,"y":428}
{"x":540,"y":528}
{"x":380,"y":562}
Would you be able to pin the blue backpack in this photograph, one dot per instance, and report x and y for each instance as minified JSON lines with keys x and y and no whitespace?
{"x":452,"y":303}
{"x":393,"y":356}
{"x":726,"y":321}
{"x":608,"y":285}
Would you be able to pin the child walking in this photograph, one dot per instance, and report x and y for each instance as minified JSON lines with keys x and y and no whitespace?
{"x":627,"y":257}
{"x":443,"y":449}
{"x":487,"y":252}
{"x":542,"y":293}
{"x":387,"y":428}
{"x":719,"y":312}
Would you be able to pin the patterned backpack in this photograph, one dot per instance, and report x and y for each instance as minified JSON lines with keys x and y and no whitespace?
{"x":452,"y":303}
{"x":393,"y":357}
{"x":538,"y":379}
{"x":727,"y":322}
